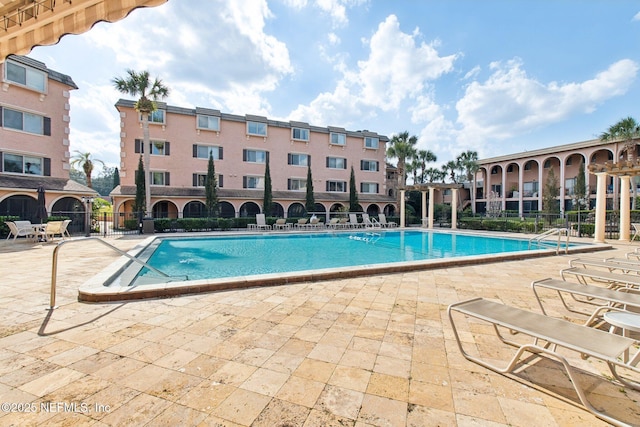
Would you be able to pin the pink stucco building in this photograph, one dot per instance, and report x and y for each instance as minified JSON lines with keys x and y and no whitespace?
{"x":34,"y":139}
{"x":182,"y":138}
{"x":517,"y":181}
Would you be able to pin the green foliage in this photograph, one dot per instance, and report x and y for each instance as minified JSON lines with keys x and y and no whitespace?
{"x":210,"y":189}
{"x":139,"y":205}
{"x":550,"y":202}
{"x":309,"y":203}
{"x":267,"y":202}
{"x":353,"y":193}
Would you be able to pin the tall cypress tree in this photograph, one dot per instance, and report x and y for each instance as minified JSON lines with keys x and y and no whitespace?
{"x":116,"y":178}
{"x":353,"y":193}
{"x":210,"y":189}
{"x":310,"y":203}
{"x":139,"y":205}
{"x":581,"y":190}
{"x":267,"y":203}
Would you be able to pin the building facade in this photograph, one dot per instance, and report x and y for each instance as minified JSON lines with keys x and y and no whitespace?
{"x":34,"y":140}
{"x":181,"y":140}
{"x":516,"y":182}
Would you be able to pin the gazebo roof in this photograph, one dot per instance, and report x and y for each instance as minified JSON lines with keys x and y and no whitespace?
{"x":25,"y":24}
{"x":623,"y":168}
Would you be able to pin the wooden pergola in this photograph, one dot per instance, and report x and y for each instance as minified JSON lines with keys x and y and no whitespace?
{"x":25,"y":24}
{"x":624,"y":170}
{"x":431,"y":189}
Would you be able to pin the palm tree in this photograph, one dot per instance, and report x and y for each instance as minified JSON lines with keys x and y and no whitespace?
{"x":402,"y":147}
{"x":468,"y":162}
{"x":85,"y":161}
{"x":434,"y":174}
{"x":449,"y":168}
{"x":139,"y":84}
{"x":424,"y":157}
{"x":627,"y":130}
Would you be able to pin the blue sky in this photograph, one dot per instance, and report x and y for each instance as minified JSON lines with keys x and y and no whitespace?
{"x":494,"y":76}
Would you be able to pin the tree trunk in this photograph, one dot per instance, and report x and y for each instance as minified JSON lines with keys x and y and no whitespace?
{"x":147,"y":160}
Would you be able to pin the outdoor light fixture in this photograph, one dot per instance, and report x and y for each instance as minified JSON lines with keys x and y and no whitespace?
{"x":88,"y":201}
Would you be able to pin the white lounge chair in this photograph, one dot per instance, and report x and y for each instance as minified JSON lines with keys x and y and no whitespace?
{"x":382,"y":219}
{"x":353,"y":221}
{"x":51,"y":229}
{"x":555,"y":333}
{"x":612,"y":280}
{"x":260,"y":224}
{"x":636,"y":230}
{"x":302,"y":223}
{"x":281,"y":224}
{"x":333,"y":223}
{"x":20,"y":229}
{"x":369,"y":222}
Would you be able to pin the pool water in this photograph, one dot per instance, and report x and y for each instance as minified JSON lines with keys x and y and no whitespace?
{"x":230,"y":256}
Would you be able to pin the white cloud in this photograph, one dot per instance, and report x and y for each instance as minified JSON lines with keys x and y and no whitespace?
{"x":397,"y":69}
{"x":510,"y":103}
{"x":636,"y":17}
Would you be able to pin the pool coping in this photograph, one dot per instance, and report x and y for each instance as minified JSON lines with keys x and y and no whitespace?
{"x":96,"y":290}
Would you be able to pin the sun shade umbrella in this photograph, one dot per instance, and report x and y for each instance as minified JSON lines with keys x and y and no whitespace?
{"x":41,"y":209}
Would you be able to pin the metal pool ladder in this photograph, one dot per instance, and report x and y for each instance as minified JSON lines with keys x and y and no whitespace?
{"x":54,"y":266}
{"x":540,"y":239}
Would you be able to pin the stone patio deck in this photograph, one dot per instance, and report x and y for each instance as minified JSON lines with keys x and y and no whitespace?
{"x":372,"y":351}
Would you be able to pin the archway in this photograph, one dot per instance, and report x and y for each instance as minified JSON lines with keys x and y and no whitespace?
{"x":194,"y":209}
{"x":277,"y":210}
{"x":249,"y":209}
{"x":389,"y":210}
{"x":165,"y":209}
{"x":296,"y":210}
{"x":22,"y":206}
{"x":226,"y":210}
{"x":373,"y":209}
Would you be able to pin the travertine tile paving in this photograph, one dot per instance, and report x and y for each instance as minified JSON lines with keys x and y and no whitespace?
{"x":372,"y":351}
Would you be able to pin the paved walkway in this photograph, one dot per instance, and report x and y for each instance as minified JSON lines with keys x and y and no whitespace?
{"x":373,"y":351}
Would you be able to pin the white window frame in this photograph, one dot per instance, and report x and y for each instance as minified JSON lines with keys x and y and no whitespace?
{"x":337,"y":185}
{"x":155,"y":151}
{"x":299,"y":156}
{"x":153,"y":120}
{"x":215,"y":126}
{"x":256,"y":128}
{"x":258,"y":182}
{"x":23,"y":113}
{"x":340,"y":138}
{"x":371,"y":142}
{"x":335,"y":162}
{"x":301,"y":184}
{"x":31,"y":74}
{"x":250,"y":150}
{"x":370,"y":163}
{"x":215,"y":149}
{"x":371,"y":187}
{"x":154,"y":175}
{"x":302,"y":134}
{"x":25,"y":160}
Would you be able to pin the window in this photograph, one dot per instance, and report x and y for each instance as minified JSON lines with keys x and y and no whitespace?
{"x":254,"y":156}
{"x":530,"y":189}
{"x":337,"y":186}
{"x":300,"y":134}
{"x":297,"y":184}
{"x":547,"y":163}
{"x":159,"y":178}
{"x":257,"y":128}
{"x":25,"y":76}
{"x":15,"y":163}
{"x":369,"y":165}
{"x":156,"y":117}
{"x":570,"y":186}
{"x":370,"y":142}
{"x":369,"y":187}
{"x":202,"y":151}
{"x":338,"y":138}
{"x":208,"y":122}
{"x":200,"y":180}
{"x":26,"y":122}
{"x":336,"y":163}
{"x":298,"y":159}
{"x":158,"y":148}
{"x":253,"y":182}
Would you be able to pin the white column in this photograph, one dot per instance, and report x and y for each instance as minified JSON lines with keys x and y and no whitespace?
{"x":601,"y":206}
{"x":432,"y":201}
{"x":503,"y":188}
{"x":625,"y":209}
{"x":424,"y":208}
{"x":454,"y":209}
{"x":402,"y":208}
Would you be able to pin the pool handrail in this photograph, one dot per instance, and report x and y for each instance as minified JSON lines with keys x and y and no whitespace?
{"x":54,"y":266}
{"x":554,"y":231}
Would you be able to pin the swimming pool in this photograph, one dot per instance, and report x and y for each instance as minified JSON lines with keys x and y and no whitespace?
{"x":215,"y":262}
